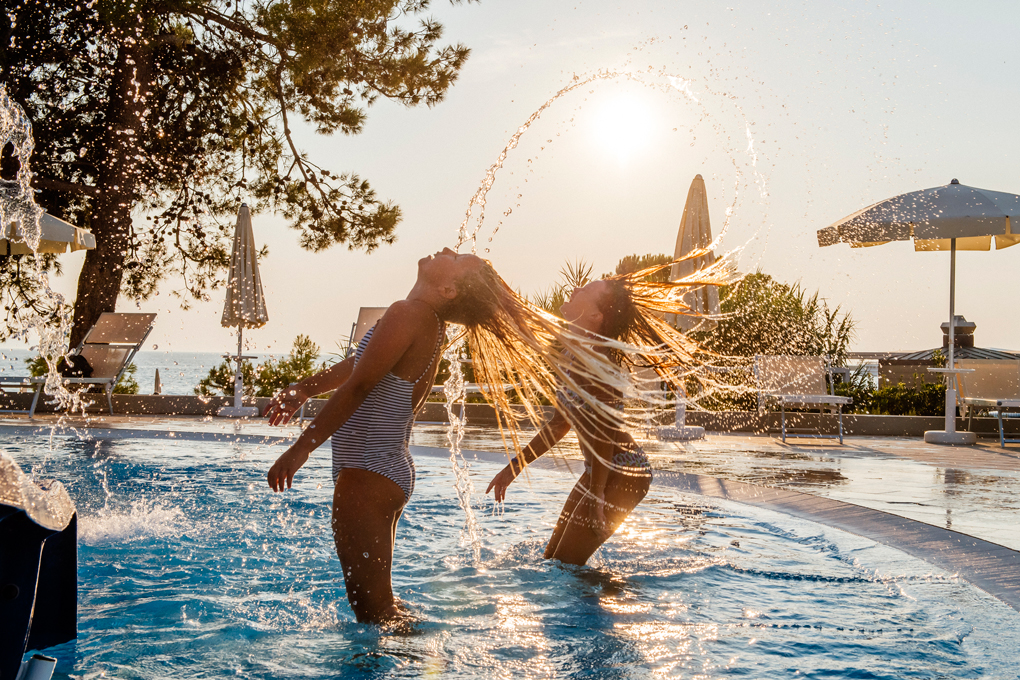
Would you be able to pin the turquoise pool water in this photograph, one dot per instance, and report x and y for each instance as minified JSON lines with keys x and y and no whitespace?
{"x":190,"y":567}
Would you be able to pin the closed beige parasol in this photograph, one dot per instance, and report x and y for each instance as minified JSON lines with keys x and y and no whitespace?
{"x":695,"y":234}
{"x":245,"y":306}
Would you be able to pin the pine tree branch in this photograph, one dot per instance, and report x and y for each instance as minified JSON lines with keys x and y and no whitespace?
{"x":65,"y":187}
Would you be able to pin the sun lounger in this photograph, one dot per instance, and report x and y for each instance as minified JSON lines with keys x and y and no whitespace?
{"x":20,"y":383}
{"x":108,"y":348}
{"x":799,"y":382}
{"x":993,"y":385}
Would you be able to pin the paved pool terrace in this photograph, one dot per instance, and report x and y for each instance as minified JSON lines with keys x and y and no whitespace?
{"x":956,"y":507}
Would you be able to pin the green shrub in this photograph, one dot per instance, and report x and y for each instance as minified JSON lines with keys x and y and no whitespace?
{"x":917,"y":399}
{"x":220,"y":381}
{"x":127,"y":383}
{"x":267,"y":378}
{"x":924,"y":399}
{"x":764,"y":316}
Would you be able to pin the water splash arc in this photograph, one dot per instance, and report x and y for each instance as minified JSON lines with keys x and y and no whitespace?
{"x":19,"y":221}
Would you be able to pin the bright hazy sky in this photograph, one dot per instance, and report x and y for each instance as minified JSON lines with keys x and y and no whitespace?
{"x":847,"y":103}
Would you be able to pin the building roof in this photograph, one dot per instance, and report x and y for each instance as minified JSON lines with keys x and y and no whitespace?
{"x":958,"y":353}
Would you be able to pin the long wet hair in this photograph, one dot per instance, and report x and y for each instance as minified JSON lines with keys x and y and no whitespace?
{"x":637,"y":312}
{"x":522,"y":353}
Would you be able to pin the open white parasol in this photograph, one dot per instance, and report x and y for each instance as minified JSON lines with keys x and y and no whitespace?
{"x":55,"y":236}
{"x":951,"y":217}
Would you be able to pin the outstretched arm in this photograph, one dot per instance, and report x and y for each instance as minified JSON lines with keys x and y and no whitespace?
{"x":288,"y":400}
{"x":547,"y":437}
{"x":394,"y":335}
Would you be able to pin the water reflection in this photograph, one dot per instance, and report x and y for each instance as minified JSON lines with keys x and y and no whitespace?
{"x":955,"y":477}
{"x":686,"y":588}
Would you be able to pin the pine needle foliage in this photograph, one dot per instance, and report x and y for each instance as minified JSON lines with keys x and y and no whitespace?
{"x":180,"y":110}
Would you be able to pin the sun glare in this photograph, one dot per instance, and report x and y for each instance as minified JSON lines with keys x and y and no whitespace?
{"x":623,"y":127}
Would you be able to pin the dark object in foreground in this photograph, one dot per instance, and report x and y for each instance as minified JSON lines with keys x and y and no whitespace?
{"x":77,"y":367}
{"x":38,"y":586}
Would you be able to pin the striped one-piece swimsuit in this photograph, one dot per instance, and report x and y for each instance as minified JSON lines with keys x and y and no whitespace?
{"x":376,"y":436}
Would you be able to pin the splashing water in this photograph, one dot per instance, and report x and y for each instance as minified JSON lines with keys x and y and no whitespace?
{"x":48,"y":506}
{"x":467,"y":232}
{"x":19,"y":222}
{"x":142,"y":520}
{"x":19,"y":214}
{"x":661,"y":81}
{"x":479,"y":198}
{"x":455,"y":393}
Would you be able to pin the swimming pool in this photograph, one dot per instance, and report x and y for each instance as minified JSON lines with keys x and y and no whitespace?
{"x":190,"y":567}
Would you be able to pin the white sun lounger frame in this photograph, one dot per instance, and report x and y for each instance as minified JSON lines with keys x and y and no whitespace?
{"x":992,"y":384}
{"x":803,"y":381}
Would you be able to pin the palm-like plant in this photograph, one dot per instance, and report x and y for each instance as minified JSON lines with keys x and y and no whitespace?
{"x":573,"y":275}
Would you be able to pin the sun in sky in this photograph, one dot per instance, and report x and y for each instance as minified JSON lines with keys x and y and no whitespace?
{"x":622,"y":127}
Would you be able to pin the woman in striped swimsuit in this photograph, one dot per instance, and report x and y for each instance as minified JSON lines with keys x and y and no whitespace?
{"x":378,"y":392}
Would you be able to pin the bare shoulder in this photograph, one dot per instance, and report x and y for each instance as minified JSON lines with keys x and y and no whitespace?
{"x":407,"y":318}
{"x":408,"y":311}
{"x":411,"y":307}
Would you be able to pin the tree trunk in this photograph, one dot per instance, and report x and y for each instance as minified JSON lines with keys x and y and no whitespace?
{"x":117,"y":180}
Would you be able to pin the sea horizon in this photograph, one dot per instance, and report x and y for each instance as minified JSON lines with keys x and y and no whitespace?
{"x":179,"y":371}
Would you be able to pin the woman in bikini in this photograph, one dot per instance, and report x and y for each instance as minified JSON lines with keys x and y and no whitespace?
{"x":622,"y":319}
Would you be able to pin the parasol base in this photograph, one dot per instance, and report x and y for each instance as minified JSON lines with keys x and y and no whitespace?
{"x":950,"y":438}
{"x":238,"y":412}
{"x":683,"y":433}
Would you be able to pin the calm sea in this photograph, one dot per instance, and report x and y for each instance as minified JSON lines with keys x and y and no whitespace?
{"x":178,"y":371}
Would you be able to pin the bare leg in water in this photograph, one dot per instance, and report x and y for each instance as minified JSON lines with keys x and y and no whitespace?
{"x":574,"y":540}
{"x":366,"y":508}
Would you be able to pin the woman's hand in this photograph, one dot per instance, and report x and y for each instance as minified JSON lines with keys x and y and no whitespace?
{"x":286,"y":402}
{"x":500,"y":482}
{"x":284,"y":468}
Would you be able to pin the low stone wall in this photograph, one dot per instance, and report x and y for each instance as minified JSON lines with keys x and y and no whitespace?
{"x":750,"y":422}
{"x":753,"y":422}
{"x":189,"y":405}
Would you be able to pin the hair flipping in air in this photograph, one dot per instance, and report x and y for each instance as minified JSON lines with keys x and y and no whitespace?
{"x":523,"y":354}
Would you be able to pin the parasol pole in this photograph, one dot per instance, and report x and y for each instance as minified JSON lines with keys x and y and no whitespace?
{"x":949,"y":435}
{"x":238,"y":387}
{"x":951,"y":377}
